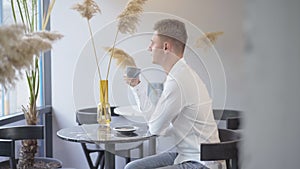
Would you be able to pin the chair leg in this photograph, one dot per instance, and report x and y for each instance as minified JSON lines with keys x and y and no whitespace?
{"x":228,"y":165}
{"x":12,"y":163}
{"x":234,"y":163}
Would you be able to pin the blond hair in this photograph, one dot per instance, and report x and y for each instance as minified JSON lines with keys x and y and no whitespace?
{"x":173,"y":30}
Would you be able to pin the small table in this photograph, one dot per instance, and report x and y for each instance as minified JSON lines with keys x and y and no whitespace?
{"x":95,"y":134}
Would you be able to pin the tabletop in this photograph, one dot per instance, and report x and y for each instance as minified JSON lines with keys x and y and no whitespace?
{"x":96,"y":134}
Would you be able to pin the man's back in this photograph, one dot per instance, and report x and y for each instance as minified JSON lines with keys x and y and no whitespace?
{"x":193,"y":122}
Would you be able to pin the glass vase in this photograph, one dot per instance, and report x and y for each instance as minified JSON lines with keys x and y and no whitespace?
{"x":103,"y":108}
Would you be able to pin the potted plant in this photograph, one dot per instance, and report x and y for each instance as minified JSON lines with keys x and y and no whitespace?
{"x":21,"y":46}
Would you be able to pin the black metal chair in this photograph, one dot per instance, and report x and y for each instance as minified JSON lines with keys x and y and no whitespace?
{"x":227,"y":149}
{"x":88,"y":116}
{"x":9,"y":135}
{"x":233,"y":118}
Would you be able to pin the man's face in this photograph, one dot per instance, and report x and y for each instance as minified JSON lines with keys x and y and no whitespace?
{"x":156,"y":47}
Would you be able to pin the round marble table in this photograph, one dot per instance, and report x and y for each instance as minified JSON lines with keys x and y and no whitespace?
{"x":96,"y":134}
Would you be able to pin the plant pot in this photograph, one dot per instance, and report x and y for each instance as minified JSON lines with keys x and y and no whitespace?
{"x":40,"y":163}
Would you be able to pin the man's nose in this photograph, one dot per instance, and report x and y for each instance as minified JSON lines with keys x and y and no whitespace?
{"x":150,"y":49}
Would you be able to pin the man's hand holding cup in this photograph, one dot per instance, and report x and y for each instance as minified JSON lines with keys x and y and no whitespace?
{"x":131,"y":76}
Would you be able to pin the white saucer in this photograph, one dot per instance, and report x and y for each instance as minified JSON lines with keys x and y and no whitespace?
{"x":125,"y":129}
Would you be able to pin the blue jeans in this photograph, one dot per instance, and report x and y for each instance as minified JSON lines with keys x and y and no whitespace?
{"x":163,"y":161}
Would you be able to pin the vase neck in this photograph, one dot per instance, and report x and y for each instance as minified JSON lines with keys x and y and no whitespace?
{"x":103,"y":91}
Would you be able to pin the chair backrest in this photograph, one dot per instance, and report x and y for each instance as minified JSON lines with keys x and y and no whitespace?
{"x":227,"y":149}
{"x":8,"y":136}
{"x":233,"y":118}
{"x":22,"y":132}
{"x":89,"y":115}
{"x":233,"y":123}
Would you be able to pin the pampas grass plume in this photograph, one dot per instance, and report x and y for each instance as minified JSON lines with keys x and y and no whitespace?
{"x":123,"y":59}
{"x":17,"y":50}
{"x":87,"y":9}
{"x":129,"y":18}
{"x":208,"y":39}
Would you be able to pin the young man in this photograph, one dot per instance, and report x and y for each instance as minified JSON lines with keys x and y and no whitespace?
{"x":184,"y":109}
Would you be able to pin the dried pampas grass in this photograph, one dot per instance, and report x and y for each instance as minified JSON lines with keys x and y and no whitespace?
{"x":123,"y":59}
{"x":129,"y":18}
{"x":52,"y":36}
{"x":87,"y":9}
{"x":7,"y":72}
{"x":208,"y":39}
{"x":128,"y":21}
{"x":18,"y":49}
{"x":10,"y":34}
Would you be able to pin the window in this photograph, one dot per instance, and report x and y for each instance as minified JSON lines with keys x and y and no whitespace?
{"x":12,"y":99}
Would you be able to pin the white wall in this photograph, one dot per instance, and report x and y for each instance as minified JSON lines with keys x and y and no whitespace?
{"x":210,"y":15}
{"x":272,"y":134}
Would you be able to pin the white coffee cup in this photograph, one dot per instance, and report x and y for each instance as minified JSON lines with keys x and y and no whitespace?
{"x":132,"y":72}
